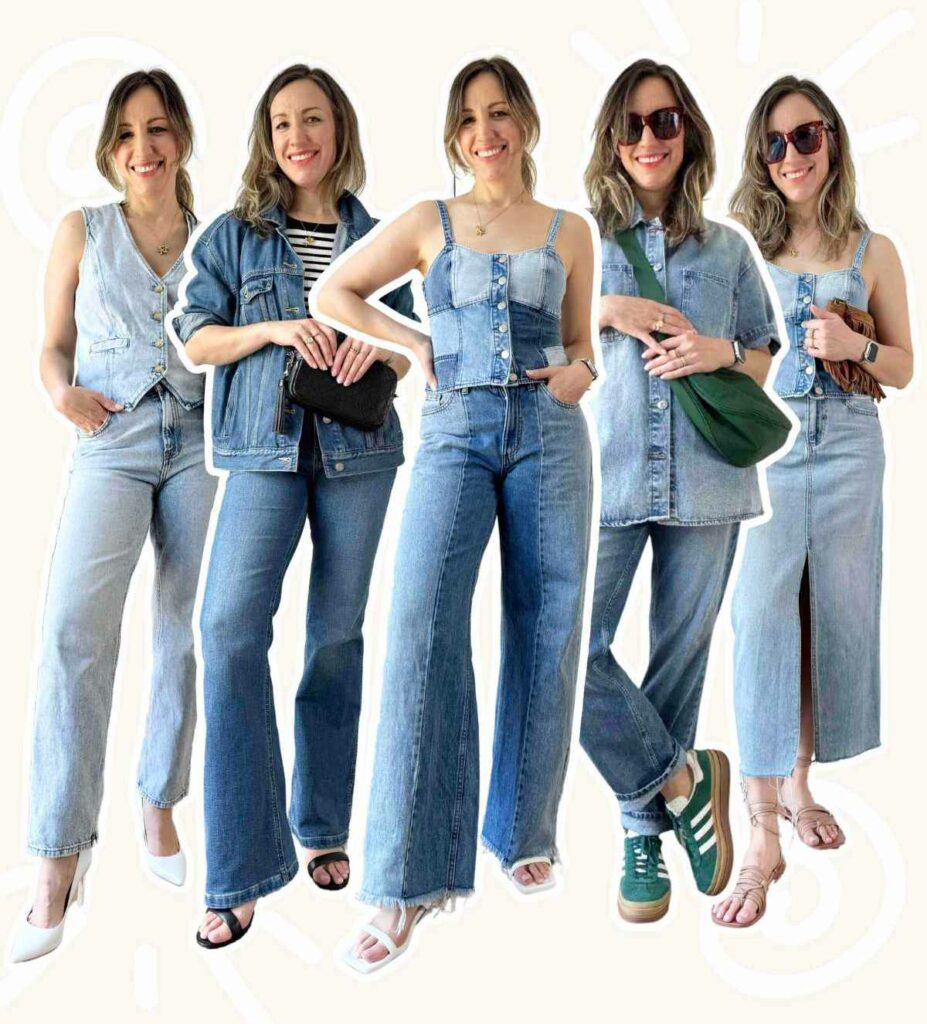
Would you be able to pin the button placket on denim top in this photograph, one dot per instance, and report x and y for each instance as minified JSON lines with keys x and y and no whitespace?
{"x":656,"y":467}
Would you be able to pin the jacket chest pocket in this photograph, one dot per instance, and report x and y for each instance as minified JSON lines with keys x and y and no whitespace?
{"x":257,"y":301}
{"x":618,"y":279}
{"x":708,"y":301}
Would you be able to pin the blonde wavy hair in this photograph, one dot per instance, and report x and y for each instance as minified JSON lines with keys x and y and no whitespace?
{"x":608,"y":185}
{"x":177,"y":114}
{"x":264,"y":185}
{"x":521,"y":105}
{"x":761,"y":207}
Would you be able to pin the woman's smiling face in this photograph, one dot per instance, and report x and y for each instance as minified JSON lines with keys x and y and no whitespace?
{"x":798,"y":177}
{"x":146,"y":151}
{"x":652,"y":163}
{"x":302,"y":127}
{"x":489,"y":138}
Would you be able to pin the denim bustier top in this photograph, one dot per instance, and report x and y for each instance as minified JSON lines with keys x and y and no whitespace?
{"x":120,"y":307}
{"x":800,"y":374}
{"x":494,"y":315}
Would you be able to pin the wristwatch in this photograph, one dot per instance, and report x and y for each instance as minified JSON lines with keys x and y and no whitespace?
{"x":869,"y":352}
{"x":590,"y":366}
{"x":740,"y":356}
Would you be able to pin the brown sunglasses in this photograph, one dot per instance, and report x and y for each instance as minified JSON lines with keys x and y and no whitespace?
{"x":806,"y":139}
{"x":665,"y":123}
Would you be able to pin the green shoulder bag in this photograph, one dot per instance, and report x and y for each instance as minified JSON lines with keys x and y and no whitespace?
{"x":729,"y":409}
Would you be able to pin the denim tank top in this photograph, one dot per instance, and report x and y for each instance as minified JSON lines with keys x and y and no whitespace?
{"x":120,"y":307}
{"x":798,"y":372}
{"x":494,"y":315}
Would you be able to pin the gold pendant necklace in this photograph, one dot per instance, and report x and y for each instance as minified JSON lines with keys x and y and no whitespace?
{"x":480,"y":228}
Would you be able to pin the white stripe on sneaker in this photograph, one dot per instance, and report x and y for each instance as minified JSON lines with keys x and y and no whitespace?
{"x":701,"y":814}
{"x":708,"y":844}
{"x":704,"y":829}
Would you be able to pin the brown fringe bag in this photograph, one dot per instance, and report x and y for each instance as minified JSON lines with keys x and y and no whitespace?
{"x":852,"y":377}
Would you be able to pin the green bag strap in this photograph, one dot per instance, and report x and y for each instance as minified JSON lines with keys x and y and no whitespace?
{"x":647,"y":280}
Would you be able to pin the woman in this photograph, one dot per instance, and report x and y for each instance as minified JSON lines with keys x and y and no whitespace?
{"x":508,"y":284}
{"x":807,"y":678}
{"x":653,"y":162}
{"x":243,"y":312}
{"x":138,"y":470}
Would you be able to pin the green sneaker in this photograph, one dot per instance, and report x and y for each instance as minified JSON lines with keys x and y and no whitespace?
{"x":644,"y":893}
{"x":702,"y":826}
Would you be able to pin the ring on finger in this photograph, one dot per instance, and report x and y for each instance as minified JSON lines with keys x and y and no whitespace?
{"x":658,"y":324}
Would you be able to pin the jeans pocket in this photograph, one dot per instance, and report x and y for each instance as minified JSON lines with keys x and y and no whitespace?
{"x":861,"y":405}
{"x":86,"y":435}
{"x":563,"y":405}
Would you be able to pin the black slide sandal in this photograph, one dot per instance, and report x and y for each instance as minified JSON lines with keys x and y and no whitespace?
{"x":321,"y":861}
{"x":234,"y":926}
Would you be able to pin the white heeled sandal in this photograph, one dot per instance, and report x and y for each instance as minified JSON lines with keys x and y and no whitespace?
{"x":172,"y":868}
{"x":31,"y":942}
{"x":533,"y":887}
{"x":394,"y":949}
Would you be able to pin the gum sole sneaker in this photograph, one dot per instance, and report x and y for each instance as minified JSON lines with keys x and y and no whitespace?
{"x":644,"y":893}
{"x":703,"y":827}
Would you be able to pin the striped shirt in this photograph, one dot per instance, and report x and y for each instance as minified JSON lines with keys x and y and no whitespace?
{"x":313,"y":244}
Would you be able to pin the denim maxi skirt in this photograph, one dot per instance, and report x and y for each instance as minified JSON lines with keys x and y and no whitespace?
{"x":826,"y":499}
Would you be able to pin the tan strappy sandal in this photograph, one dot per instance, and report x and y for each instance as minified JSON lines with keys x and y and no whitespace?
{"x":752,"y":884}
{"x":807,"y":820}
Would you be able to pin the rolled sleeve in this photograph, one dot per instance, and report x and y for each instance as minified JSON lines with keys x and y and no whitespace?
{"x":756,"y":319}
{"x":208,"y":298}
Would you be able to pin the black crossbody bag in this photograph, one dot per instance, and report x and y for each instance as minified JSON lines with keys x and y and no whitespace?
{"x":365,"y":404}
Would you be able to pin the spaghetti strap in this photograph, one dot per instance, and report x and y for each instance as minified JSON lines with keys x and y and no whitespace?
{"x":554,"y":228}
{"x":445,"y":222}
{"x":861,"y":249}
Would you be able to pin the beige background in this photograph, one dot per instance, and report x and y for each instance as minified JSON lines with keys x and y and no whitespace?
{"x":840,"y":934}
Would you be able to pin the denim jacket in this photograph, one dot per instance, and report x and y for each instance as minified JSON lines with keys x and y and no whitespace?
{"x":656,"y":467}
{"x":239,"y":277}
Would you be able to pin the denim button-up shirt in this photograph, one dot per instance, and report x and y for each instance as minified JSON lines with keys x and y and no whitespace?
{"x":656,"y":467}
{"x":239,"y":277}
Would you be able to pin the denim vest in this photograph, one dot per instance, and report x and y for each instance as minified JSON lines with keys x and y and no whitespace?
{"x":120,"y":307}
{"x":656,"y":467}
{"x":494,"y":315}
{"x":241,"y":277}
{"x":800,"y":374}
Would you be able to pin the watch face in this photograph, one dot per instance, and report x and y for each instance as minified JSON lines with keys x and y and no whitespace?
{"x":872,"y":350}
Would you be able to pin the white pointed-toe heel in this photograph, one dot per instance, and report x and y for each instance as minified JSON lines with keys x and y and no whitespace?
{"x":172,"y":868}
{"x":31,"y":942}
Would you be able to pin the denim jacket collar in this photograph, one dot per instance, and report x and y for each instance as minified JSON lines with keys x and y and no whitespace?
{"x":353,"y":222}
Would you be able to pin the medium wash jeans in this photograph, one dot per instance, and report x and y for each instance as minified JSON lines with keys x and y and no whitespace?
{"x":141,"y":474}
{"x":637,"y":737}
{"x":249,"y":848}
{"x":518,"y":456}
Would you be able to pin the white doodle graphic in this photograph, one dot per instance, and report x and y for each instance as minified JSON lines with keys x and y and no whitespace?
{"x":13,"y":186}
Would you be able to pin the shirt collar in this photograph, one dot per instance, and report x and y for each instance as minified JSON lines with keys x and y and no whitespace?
{"x":351,"y":213}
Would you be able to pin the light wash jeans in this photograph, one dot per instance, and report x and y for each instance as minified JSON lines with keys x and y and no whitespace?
{"x":518,"y":457}
{"x":141,"y":474}
{"x":637,"y":736}
{"x":249,"y":848}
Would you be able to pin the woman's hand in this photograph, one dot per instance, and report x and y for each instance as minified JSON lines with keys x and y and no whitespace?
{"x":688,"y":353}
{"x":422,"y":350}
{"x":828,"y":337}
{"x":86,"y":409}
{"x":313,"y":340}
{"x":566,"y":383}
{"x":641,"y":318}
{"x":354,"y":358}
